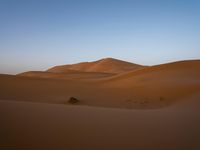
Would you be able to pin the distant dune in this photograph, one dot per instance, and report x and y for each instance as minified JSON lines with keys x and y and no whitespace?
{"x":87,"y":70}
{"x":107,"y":65}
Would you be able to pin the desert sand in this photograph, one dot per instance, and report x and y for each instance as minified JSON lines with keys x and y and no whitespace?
{"x":121,"y":105}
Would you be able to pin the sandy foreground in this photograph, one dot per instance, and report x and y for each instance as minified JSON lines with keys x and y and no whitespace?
{"x":121,"y":106}
{"x":37,"y":126}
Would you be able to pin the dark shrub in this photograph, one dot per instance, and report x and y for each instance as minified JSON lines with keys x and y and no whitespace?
{"x":73,"y":100}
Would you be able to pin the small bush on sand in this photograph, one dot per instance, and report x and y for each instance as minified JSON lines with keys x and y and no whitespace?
{"x":73,"y":100}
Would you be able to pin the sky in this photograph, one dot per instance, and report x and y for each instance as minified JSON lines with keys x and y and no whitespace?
{"x":38,"y":34}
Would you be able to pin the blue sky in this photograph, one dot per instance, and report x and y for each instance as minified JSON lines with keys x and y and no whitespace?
{"x":37,"y":34}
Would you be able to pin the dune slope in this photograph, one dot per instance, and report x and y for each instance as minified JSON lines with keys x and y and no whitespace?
{"x":167,"y":81}
{"x":69,"y":74}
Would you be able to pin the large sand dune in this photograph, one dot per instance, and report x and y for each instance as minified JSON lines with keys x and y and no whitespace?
{"x":168,"y":82}
{"x":148,"y":108}
{"x":151,"y":87}
{"x":107,"y":65}
{"x":87,"y":70}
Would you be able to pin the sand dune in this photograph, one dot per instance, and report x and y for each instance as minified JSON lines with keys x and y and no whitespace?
{"x":159,"y":107}
{"x":190,"y":67}
{"x":87,"y":70}
{"x":151,"y":87}
{"x":107,"y":65}
{"x":171,"y":81}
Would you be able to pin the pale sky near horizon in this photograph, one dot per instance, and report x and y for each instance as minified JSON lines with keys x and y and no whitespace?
{"x":38,"y":34}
